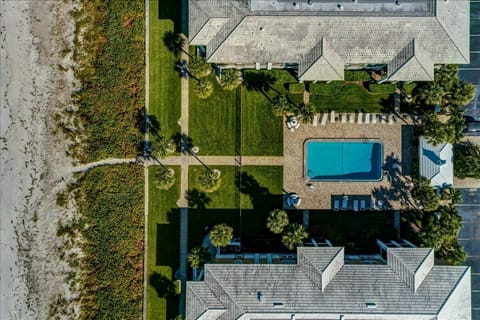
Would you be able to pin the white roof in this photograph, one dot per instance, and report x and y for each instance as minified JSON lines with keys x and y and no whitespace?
{"x":436,"y":162}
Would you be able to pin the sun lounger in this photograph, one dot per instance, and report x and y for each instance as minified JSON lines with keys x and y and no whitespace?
{"x":336,"y":205}
{"x":344,"y":204}
{"x":297,"y":126}
{"x":351,"y":117}
{"x":315,"y":120}
{"x":332,"y":116}
{"x":355,"y":205}
{"x":360,"y":118}
{"x":289,"y":125}
{"x":324,"y":119}
{"x":383,"y":118}
{"x":362,"y":205}
{"x":367,"y":118}
{"x":344,"y":118}
{"x":372,"y":204}
{"x":391,"y":118}
{"x":374,"y":118}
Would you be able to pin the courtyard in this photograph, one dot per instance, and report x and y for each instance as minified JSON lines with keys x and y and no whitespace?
{"x":391,"y":189}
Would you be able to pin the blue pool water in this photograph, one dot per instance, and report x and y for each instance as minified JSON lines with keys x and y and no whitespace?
{"x":343,"y":160}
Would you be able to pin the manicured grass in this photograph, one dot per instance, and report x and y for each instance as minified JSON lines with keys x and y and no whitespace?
{"x":262,"y":131}
{"x":352,"y":98}
{"x":261,"y":186}
{"x":356,"y":231}
{"x":164,"y":91}
{"x":226,"y":197}
{"x":212,"y":120}
{"x":163,"y":247}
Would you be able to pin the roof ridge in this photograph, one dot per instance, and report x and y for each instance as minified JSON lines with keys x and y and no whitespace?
{"x":467,"y":269}
{"x":211,"y":274}
{"x":224,"y":38}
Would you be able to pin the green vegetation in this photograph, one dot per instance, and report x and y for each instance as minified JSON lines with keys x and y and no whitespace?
{"x":327,"y":89}
{"x":164,"y":146}
{"x":110,"y":69}
{"x":277,"y":220}
{"x":209,"y":180}
{"x":261,"y":188}
{"x":164,"y":178}
{"x":163,"y":248}
{"x":230,"y":79}
{"x":212,"y":120}
{"x":351,"y":98}
{"x":198,"y":257}
{"x":305,"y":112}
{"x":293,"y":236}
{"x":466,"y":160}
{"x":425,"y":195}
{"x":203,"y":89}
{"x":164,"y":89}
{"x":198,"y":67}
{"x":357,"y":75}
{"x":296,"y":88}
{"x":280,"y":105}
{"x":111,"y":202}
{"x":438,"y":132}
{"x":224,"y":197}
{"x":221,"y":235}
{"x":382,"y":88}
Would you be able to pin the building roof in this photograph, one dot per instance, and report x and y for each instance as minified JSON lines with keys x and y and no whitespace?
{"x":366,"y":32}
{"x":409,"y":286}
{"x":436,"y":162}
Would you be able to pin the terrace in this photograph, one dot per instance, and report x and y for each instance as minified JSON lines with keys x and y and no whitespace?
{"x":390,"y":189}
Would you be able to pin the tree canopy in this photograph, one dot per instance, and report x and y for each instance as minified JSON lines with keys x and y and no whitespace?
{"x":230,"y":79}
{"x":209,"y":180}
{"x":203,"y":89}
{"x":294,"y":235}
{"x":164,"y":178}
{"x":221,"y":235}
{"x":277,"y":220}
{"x":466,"y":160}
{"x":198,"y":67}
{"x":425,"y":194}
{"x":198,"y":257}
{"x":280,"y":105}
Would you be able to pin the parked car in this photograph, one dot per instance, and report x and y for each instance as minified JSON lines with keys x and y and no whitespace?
{"x":473,"y":127}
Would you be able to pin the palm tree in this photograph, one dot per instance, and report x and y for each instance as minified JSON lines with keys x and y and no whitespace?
{"x":277,"y":220}
{"x":209,"y":180}
{"x":466,"y":160}
{"x":433,"y":129}
{"x":163,"y":147}
{"x":280,"y":105}
{"x":164,"y":178}
{"x":425,"y":194}
{"x":447,"y":76}
{"x":305,"y":111}
{"x":199,"y":67}
{"x":229,"y":79}
{"x":203,"y":89}
{"x":431,"y":93}
{"x":221,"y":235}
{"x":461,"y":93}
{"x":198,"y":256}
{"x":294,"y":236}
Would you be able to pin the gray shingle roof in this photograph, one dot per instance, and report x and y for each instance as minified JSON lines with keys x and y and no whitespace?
{"x":441,"y":35}
{"x":251,"y":291}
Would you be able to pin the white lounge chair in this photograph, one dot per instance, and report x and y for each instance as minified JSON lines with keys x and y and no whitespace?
{"x":367,"y":118}
{"x":324,"y":119}
{"x":360,"y":118}
{"x":383,"y":118}
{"x":374,"y":118}
{"x":344,"y":203}
{"x":351,"y":117}
{"x":344,"y":118}
{"x":362,"y":205}
{"x":355,"y":205}
{"x":372,"y":204}
{"x":315,"y":120}
{"x":391,"y":118}
{"x":380,"y":205}
{"x":336,"y":205}
{"x":297,"y":125}
{"x":332,"y":116}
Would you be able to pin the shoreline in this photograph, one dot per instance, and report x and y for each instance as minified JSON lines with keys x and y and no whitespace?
{"x":35,"y":166}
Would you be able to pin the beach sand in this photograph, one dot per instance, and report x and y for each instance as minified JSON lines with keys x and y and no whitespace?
{"x":34,"y":164}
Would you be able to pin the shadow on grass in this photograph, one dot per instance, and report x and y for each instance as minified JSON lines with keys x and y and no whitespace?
{"x":197,"y":199}
{"x":171,"y":10}
{"x":163,"y":286}
{"x":261,"y":197}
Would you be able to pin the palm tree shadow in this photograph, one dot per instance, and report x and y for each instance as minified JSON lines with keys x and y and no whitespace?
{"x":197,"y":199}
{"x":162,"y":285}
{"x":261,"y":82}
{"x":246,"y":184}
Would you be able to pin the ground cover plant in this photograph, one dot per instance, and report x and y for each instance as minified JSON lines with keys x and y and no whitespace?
{"x":163,"y":247}
{"x":164,"y":88}
{"x":111,"y":202}
{"x":111,"y":74}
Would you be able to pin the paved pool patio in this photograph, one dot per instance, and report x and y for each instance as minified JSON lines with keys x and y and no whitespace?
{"x":393,"y":189}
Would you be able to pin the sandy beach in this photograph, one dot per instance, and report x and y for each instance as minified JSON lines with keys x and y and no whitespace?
{"x":34,"y":165}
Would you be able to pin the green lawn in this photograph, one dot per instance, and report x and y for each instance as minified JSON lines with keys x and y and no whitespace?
{"x":226,"y":197}
{"x":262,"y":185}
{"x":164,"y":91}
{"x":262,"y":131}
{"x":212,"y":120}
{"x":163,"y":247}
{"x":352,"y":98}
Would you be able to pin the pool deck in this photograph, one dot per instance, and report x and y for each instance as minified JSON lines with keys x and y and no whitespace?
{"x":392,"y":189}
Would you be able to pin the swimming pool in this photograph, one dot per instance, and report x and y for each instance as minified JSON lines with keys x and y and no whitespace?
{"x":343,"y":160}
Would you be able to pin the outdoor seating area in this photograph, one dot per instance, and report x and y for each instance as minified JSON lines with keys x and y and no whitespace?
{"x":351,"y":118}
{"x":356,"y":203}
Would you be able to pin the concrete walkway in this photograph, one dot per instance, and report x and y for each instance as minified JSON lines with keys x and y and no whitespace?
{"x":217,"y":161}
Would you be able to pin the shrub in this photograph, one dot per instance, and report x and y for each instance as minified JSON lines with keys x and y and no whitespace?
{"x":277,"y":220}
{"x":221,"y":235}
{"x":198,"y":257}
{"x":203,"y":89}
{"x":164,"y":178}
{"x":209,"y":180}
{"x":199,"y":67}
{"x":280,"y":105}
{"x":382,"y":88}
{"x":229,"y":79}
{"x":326,"y":89}
{"x":357,"y":75}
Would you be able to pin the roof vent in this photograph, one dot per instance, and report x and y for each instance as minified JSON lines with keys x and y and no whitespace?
{"x":339,"y":6}
{"x":278,"y":305}
{"x":342,"y":317}
{"x":292,"y":317}
{"x":259,"y":296}
{"x":294,"y":4}
{"x":398,"y":3}
{"x":309,"y":2}
{"x":371,"y":305}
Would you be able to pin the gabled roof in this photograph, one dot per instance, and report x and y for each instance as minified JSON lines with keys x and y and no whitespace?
{"x":321,"y":63}
{"x":273,"y":291}
{"x":440,"y":28}
{"x":436,"y":162}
